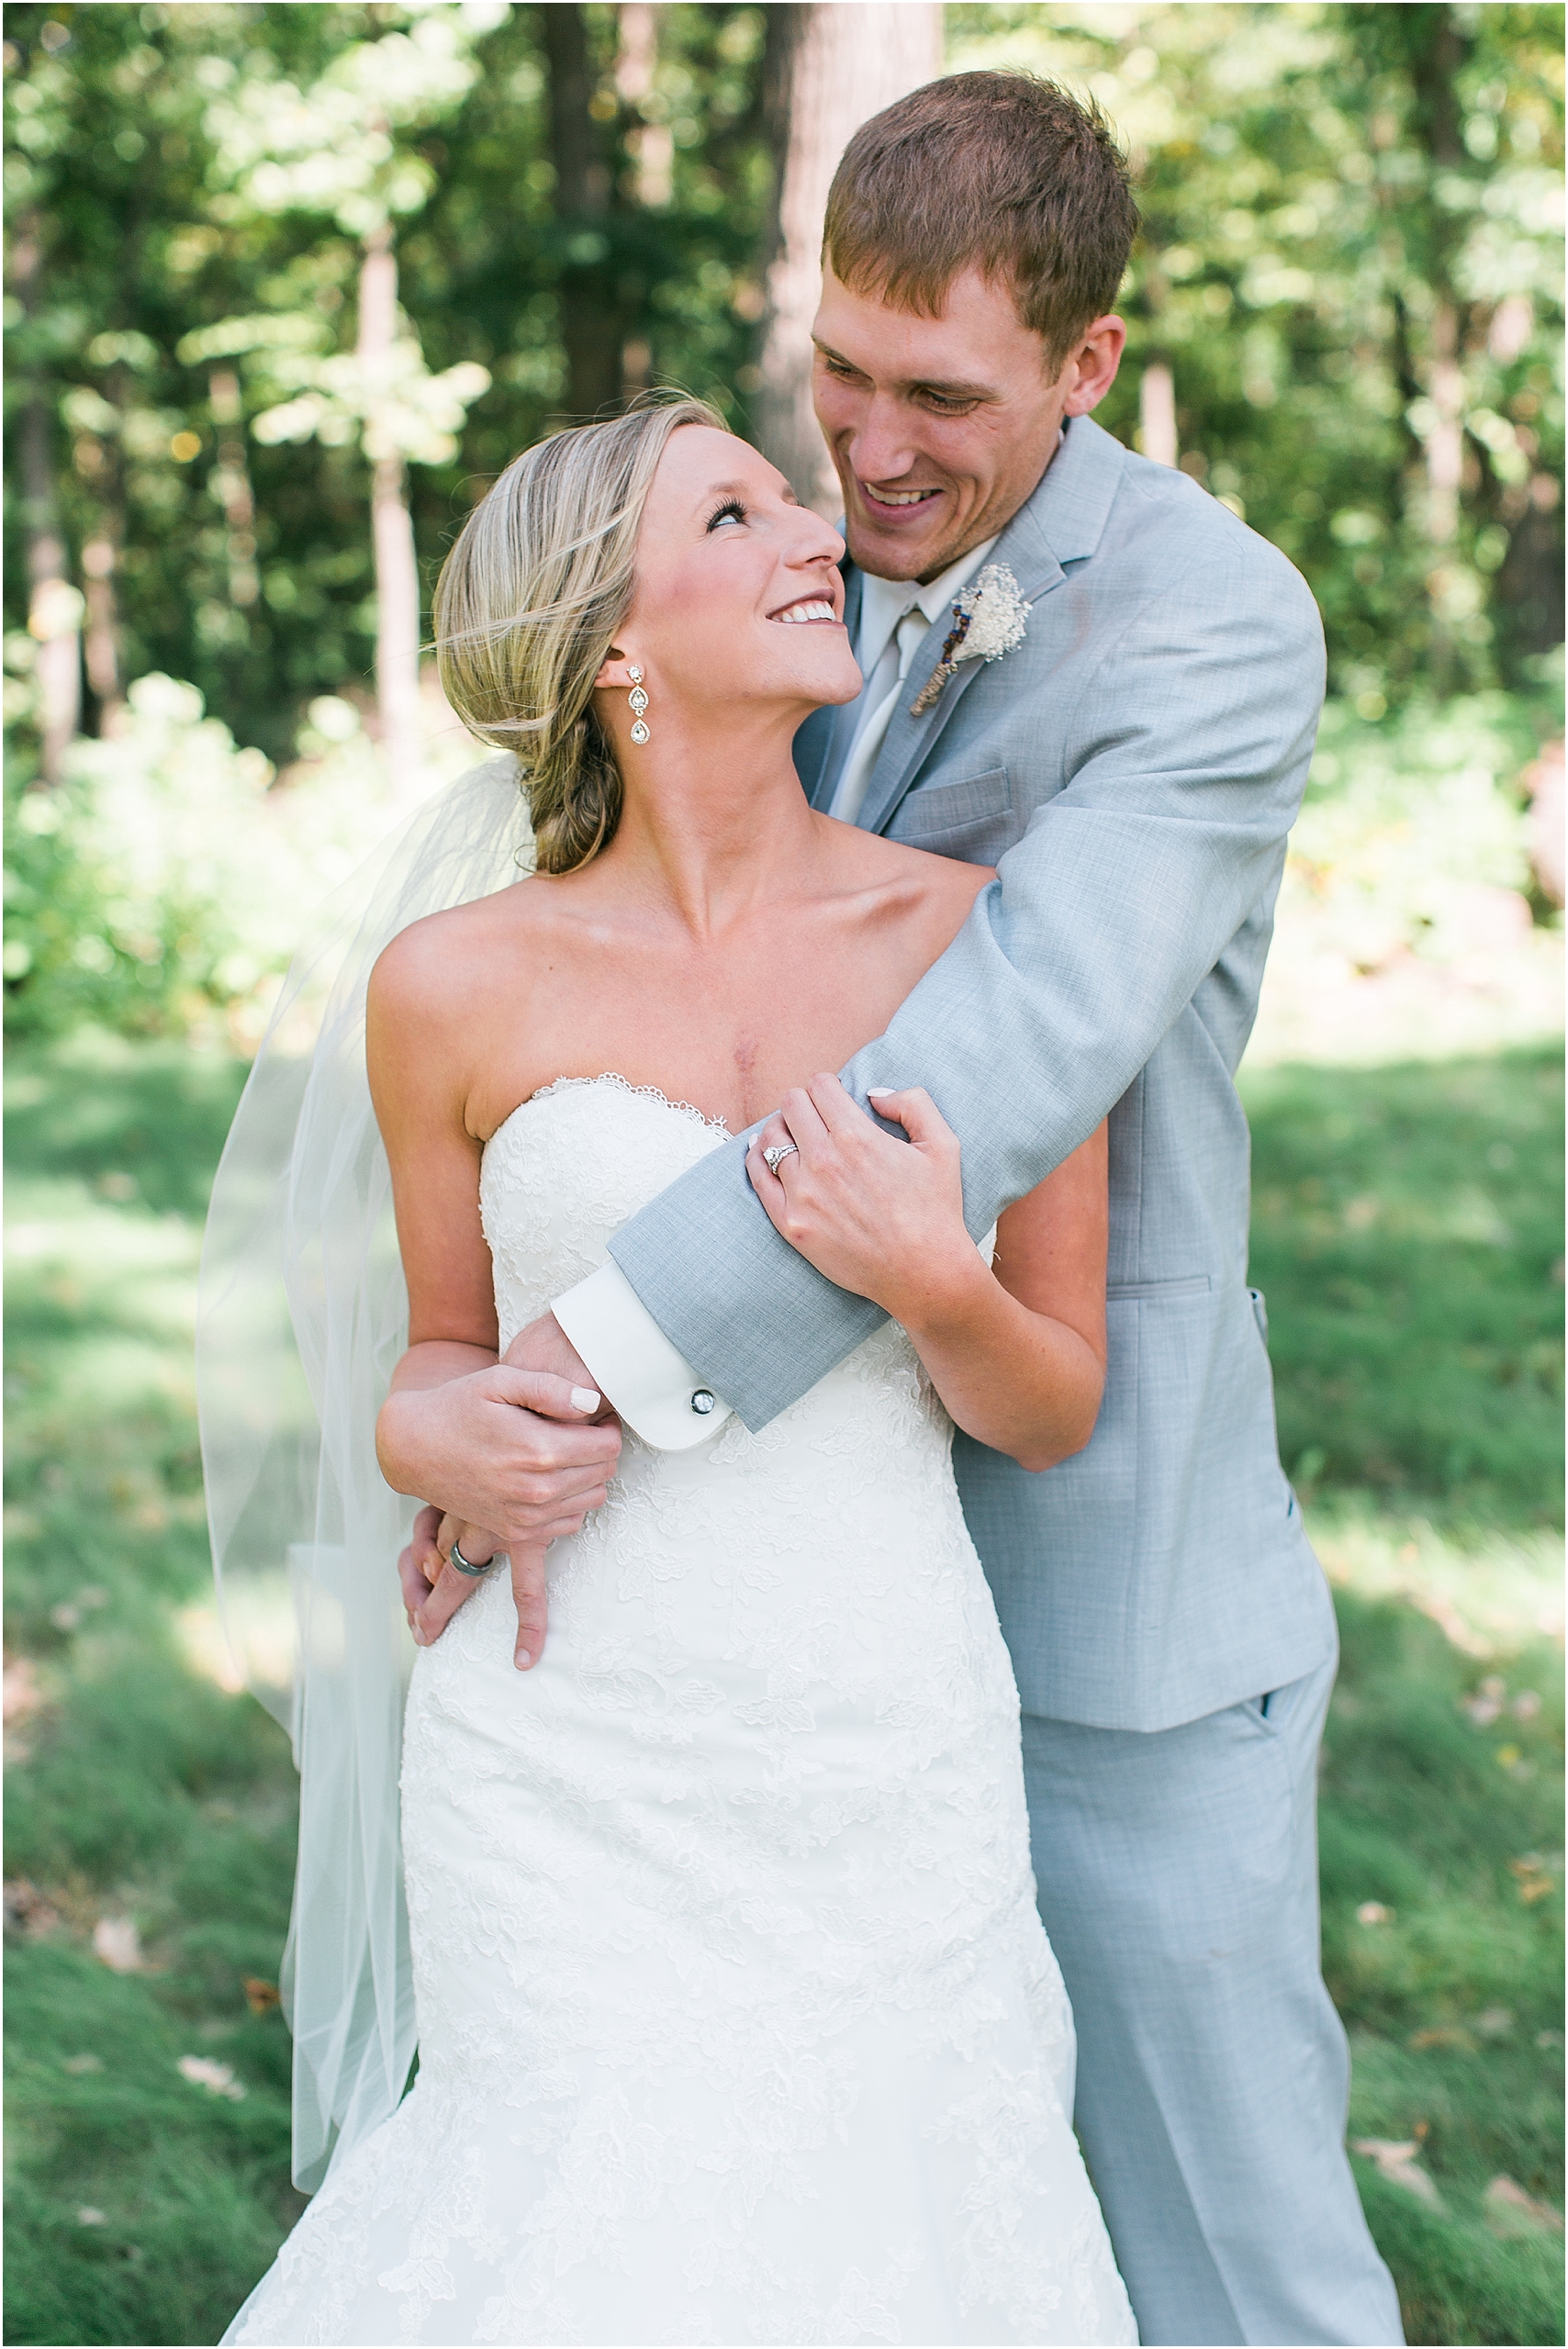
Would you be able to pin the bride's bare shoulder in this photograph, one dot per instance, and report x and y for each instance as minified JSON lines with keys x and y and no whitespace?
{"x":447,"y":961}
{"x":943,"y":883}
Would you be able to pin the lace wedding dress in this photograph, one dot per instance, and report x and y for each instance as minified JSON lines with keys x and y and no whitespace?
{"x":737,"y":2022}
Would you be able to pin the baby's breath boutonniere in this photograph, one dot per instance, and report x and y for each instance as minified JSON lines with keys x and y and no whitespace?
{"x":987,"y":620}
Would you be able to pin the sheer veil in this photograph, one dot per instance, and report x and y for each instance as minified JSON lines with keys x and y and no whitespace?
{"x":302,"y":1315}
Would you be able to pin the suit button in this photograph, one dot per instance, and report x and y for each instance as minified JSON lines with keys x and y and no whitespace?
{"x":702,"y":1403}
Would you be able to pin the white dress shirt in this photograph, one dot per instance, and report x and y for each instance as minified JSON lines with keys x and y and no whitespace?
{"x":649,"y":1380}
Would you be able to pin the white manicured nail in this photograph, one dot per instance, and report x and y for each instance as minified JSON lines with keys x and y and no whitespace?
{"x":523,"y":1659}
{"x":877,"y":1092}
{"x":585,"y":1399}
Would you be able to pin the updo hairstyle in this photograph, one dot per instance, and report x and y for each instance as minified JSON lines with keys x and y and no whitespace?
{"x":527,"y":607}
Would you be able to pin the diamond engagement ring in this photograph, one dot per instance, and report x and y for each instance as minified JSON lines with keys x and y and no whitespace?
{"x":775,"y":1158}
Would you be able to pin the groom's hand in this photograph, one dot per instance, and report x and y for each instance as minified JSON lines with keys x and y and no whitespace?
{"x":525,"y":1453}
{"x":433,"y":1589}
{"x":544,"y":1346}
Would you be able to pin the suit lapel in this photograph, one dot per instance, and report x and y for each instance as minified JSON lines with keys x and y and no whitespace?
{"x":1061,"y":523}
{"x":910,"y":741}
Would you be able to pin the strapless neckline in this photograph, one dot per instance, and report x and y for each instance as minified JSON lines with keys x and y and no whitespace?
{"x":558,"y":1085}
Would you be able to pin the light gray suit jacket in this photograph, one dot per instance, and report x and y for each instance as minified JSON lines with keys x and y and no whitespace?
{"x":1134,"y":767}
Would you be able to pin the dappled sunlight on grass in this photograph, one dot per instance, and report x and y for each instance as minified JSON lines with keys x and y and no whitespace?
{"x":1441,"y":1823}
{"x":1484,"y":1588}
{"x":140,"y":1792}
{"x":1407,"y":1229}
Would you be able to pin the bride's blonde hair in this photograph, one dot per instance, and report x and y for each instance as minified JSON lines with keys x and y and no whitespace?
{"x":528,"y":604}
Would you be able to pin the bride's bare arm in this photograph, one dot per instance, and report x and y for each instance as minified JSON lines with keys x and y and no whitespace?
{"x":492,"y":1444}
{"x":1017,"y":1354}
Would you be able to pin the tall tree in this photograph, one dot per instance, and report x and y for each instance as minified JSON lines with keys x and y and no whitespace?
{"x":833,"y":68}
{"x":331,"y":148}
{"x":1351,"y":265}
{"x":1433,"y":48}
{"x":589,"y":314}
{"x":649,"y":144}
{"x":54,"y":606}
{"x":391,"y":526}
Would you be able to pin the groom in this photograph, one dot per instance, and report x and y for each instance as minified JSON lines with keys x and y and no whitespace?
{"x":1134,"y":765}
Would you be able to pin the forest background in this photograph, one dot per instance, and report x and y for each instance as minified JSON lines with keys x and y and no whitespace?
{"x":286,"y":286}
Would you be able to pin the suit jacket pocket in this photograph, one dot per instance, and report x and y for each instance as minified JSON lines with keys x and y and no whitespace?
{"x":973,"y":819}
{"x":1196,"y":1284}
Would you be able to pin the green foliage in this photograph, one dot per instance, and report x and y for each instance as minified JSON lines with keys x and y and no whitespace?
{"x":1340,"y":204}
{"x":146,"y":1792}
{"x":185,"y":268}
{"x":1402,"y":818}
{"x":125,"y":893}
{"x":109,"y":177}
{"x":1310,"y":242}
{"x":161,"y":881}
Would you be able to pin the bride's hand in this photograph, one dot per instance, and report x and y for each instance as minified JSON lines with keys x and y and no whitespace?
{"x":536,"y":1460}
{"x":880,"y":1218}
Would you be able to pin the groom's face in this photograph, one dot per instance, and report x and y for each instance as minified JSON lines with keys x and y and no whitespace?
{"x":940,"y":428}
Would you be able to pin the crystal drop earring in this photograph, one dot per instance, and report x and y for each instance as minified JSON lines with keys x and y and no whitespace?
{"x":639,"y":701}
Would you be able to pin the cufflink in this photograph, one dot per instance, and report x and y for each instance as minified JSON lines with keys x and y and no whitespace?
{"x":702,"y":1403}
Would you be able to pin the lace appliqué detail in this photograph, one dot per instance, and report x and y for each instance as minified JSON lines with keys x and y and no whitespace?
{"x":737,"y":2021}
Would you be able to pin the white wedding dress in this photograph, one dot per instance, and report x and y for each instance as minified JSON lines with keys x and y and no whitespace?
{"x":737,"y":2022}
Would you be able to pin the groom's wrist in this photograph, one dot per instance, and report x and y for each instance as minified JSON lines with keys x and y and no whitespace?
{"x":653,"y":1388}
{"x":544,"y":1346}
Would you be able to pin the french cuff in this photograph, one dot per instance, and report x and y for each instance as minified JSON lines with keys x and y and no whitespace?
{"x":650,"y":1382}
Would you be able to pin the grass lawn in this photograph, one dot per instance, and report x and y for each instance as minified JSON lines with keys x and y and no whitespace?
{"x":1408,"y":1232}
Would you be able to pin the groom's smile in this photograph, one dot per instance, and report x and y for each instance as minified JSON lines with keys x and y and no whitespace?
{"x":940,"y":426}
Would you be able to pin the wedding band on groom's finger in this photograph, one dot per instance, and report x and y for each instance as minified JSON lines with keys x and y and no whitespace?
{"x":472,"y":1567}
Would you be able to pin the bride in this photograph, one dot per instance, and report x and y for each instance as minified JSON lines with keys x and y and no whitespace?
{"x":736,"y":2022}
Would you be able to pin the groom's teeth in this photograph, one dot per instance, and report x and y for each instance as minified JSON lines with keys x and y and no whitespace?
{"x":901,"y":497}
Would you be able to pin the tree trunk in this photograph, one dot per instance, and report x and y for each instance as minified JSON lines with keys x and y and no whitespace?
{"x":54,"y":606}
{"x":651,"y":145}
{"x":837,"y":66}
{"x":102,"y":462}
{"x":100,"y":561}
{"x":392,"y":537}
{"x":1157,"y":412}
{"x":231,"y":482}
{"x":1437,"y":52}
{"x":589,"y":313}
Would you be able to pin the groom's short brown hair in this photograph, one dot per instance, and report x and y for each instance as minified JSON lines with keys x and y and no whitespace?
{"x":1000,"y":171}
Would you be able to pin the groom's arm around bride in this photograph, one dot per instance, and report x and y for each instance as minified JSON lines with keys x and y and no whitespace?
{"x":1131,"y":755}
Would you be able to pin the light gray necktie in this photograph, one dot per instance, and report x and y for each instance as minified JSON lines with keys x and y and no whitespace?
{"x":881,"y":700}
